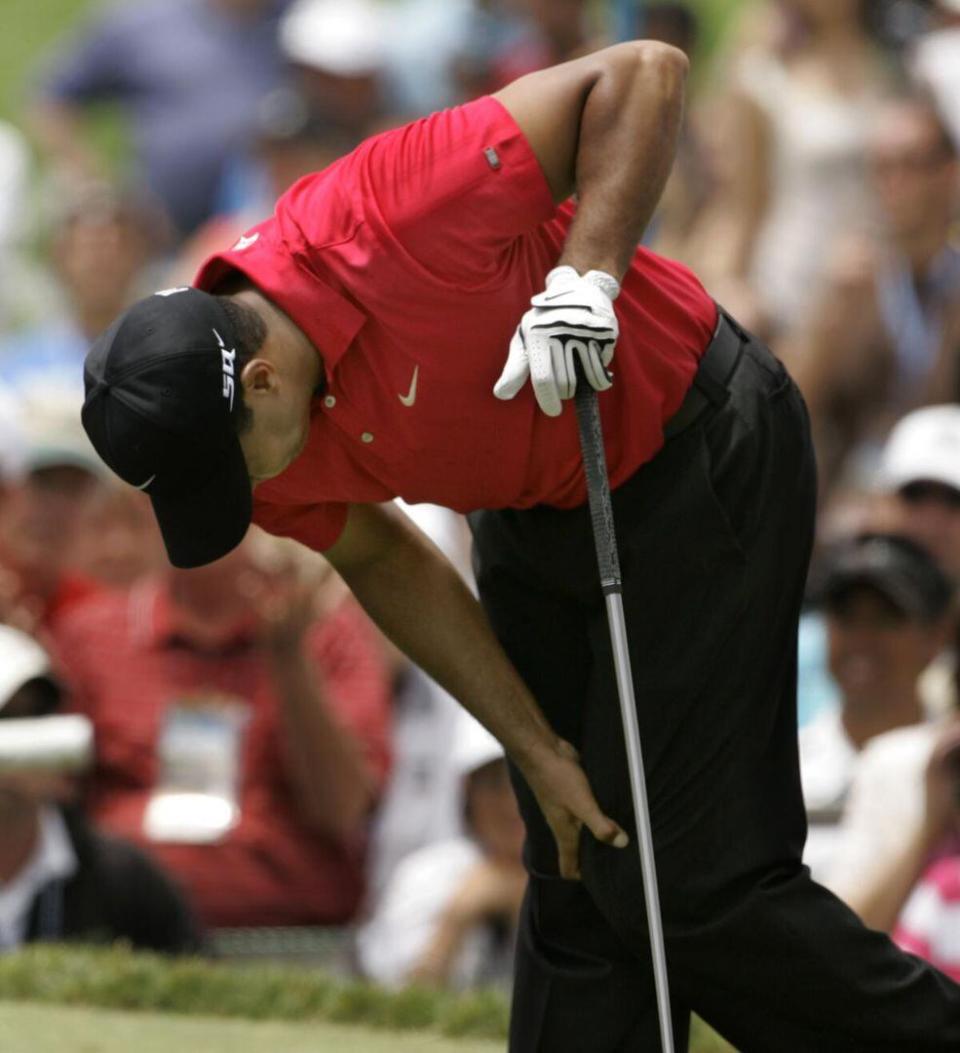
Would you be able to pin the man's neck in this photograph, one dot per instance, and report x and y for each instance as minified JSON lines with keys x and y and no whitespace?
{"x":864,"y":720}
{"x":295,"y":341}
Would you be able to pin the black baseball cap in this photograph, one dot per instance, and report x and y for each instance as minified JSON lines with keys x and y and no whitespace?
{"x":893,"y":566}
{"x":162,"y":401}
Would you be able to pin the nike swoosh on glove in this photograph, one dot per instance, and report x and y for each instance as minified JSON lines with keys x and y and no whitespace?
{"x":573,"y":318}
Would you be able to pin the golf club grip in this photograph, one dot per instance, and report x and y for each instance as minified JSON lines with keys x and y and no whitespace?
{"x":598,"y":486}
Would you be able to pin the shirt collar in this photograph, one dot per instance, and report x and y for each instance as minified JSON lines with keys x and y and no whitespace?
{"x":330,"y":321}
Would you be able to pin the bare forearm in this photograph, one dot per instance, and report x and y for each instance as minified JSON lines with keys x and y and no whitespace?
{"x":325,"y":765}
{"x":422,"y":605}
{"x":628,"y":139}
{"x":879,"y":904}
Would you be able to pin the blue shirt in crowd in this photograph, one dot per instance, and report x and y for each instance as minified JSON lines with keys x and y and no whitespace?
{"x":190,"y":75}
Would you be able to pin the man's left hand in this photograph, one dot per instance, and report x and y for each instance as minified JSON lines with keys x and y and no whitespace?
{"x":571,"y":320}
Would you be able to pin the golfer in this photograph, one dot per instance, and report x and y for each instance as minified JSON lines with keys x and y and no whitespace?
{"x":409,"y":323}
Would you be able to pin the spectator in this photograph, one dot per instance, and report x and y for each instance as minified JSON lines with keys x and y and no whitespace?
{"x":290,"y":141}
{"x":557,"y":30}
{"x":439,"y":51}
{"x":887,"y":613}
{"x":494,"y":28}
{"x":916,"y":494}
{"x":338,"y":50}
{"x":14,"y":173}
{"x":869,"y":352}
{"x":59,"y":878}
{"x":802,"y":109}
{"x":448,"y":914}
{"x":45,"y":494}
{"x":920,"y":480}
{"x":117,"y":541}
{"x":101,"y":244}
{"x":886,"y":816}
{"x":187,"y":73}
{"x":241,"y":735}
{"x":935,"y":62}
{"x":918,"y":882}
{"x":929,"y":923}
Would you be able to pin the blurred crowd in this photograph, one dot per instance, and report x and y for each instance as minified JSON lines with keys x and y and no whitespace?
{"x":184,"y":753}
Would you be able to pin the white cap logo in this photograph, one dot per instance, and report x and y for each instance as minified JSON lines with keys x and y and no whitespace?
{"x":227,"y":359}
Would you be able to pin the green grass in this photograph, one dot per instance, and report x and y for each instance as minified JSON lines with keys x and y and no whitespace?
{"x":30,"y":28}
{"x":29,"y":1028}
{"x":116,"y":979}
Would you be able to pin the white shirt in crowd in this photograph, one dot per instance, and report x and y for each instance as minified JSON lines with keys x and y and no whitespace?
{"x":409,"y":912}
{"x":827,"y":762}
{"x":884,"y":805}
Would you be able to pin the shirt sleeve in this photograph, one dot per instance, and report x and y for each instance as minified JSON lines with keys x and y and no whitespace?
{"x":451,"y":193}
{"x":317,"y":526}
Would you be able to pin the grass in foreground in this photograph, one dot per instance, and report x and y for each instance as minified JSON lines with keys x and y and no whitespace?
{"x":27,"y":1028}
{"x":118,"y":979}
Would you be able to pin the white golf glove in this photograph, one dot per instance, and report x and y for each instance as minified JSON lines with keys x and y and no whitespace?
{"x":573,"y":316}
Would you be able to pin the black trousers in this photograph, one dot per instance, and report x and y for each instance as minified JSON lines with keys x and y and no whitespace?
{"x":715,"y":535}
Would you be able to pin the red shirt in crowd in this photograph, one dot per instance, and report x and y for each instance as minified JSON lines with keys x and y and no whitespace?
{"x":408,"y":264}
{"x":130,"y":667}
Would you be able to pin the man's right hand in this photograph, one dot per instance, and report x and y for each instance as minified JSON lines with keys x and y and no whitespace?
{"x":567,"y":802}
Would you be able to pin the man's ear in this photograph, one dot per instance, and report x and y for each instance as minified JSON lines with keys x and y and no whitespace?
{"x":259,"y":377}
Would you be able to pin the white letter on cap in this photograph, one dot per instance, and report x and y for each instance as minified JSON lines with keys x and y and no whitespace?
{"x":227,"y":357}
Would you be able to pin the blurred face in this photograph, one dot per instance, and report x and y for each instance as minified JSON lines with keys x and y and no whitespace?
{"x":217,"y":595}
{"x":117,"y":538}
{"x":99,"y":259}
{"x":493,"y":814}
{"x":914,"y":174}
{"x":39,"y":516}
{"x":874,"y":649}
{"x":352,"y":101}
{"x":929,"y":514}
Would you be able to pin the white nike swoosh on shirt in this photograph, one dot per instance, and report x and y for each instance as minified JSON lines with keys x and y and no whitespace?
{"x":245,"y":242}
{"x":143,"y":486}
{"x":411,"y":397}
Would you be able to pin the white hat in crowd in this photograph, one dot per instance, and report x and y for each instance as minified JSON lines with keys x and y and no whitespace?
{"x":48,"y":742}
{"x":924,"y":446}
{"x":22,"y":659}
{"x":342,"y":37}
{"x":52,"y":431}
{"x":473,"y":745}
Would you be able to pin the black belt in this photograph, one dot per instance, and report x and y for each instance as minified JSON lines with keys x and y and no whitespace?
{"x":710,"y":386}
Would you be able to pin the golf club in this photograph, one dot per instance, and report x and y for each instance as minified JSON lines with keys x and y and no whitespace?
{"x":608,"y":560}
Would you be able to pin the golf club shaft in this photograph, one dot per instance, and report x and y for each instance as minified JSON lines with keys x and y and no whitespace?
{"x":608,"y":560}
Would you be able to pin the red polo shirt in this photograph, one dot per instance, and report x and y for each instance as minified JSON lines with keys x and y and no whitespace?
{"x":408,"y":264}
{"x":129,"y":665}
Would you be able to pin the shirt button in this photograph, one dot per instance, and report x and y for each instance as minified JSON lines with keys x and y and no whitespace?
{"x":367,"y":436}
{"x":330,"y":401}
